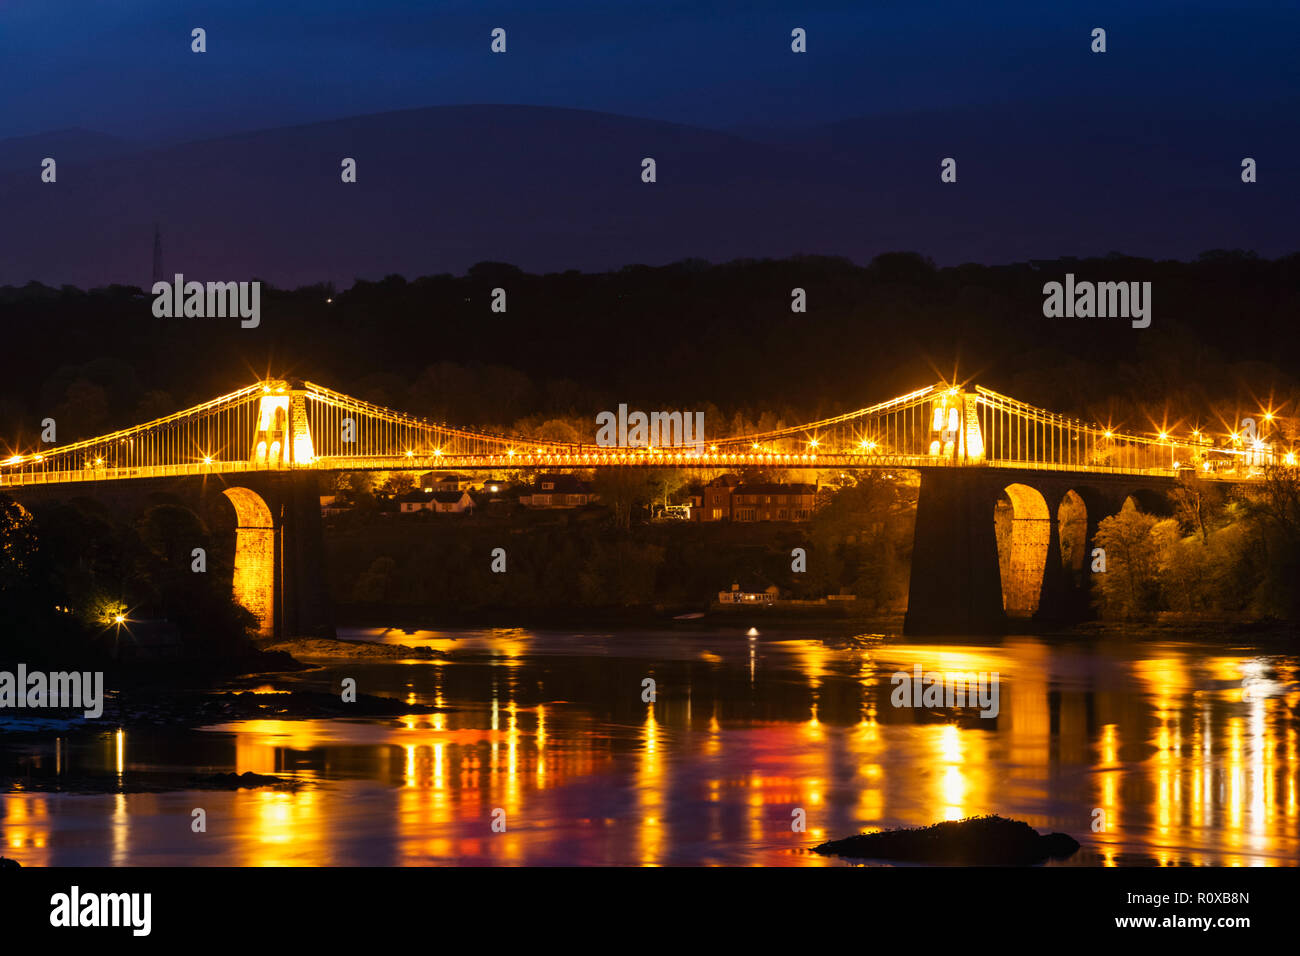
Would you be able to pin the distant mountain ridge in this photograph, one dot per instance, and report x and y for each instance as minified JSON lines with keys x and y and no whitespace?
{"x":550,"y":189}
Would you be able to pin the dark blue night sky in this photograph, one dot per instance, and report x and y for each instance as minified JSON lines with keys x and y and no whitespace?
{"x":1184,"y":91}
{"x":125,"y":67}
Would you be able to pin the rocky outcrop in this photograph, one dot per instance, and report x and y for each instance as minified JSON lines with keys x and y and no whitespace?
{"x":975,"y":841}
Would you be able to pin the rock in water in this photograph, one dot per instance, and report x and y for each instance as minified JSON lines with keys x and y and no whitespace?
{"x":975,"y":841}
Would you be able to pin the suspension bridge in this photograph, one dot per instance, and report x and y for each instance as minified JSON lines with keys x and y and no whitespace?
{"x":279,"y":425}
{"x":983,"y":458}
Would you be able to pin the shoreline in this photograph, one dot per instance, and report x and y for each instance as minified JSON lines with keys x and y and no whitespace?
{"x":169,"y":697}
{"x":407,"y":617}
{"x":410,"y":620}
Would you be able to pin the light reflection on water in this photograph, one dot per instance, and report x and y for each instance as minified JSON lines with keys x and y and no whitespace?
{"x":1185,"y":763}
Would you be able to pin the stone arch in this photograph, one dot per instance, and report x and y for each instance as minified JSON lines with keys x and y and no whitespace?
{"x":1072,"y":517}
{"x":1023,"y":526}
{"x":254,"y":577}
{"x":1081,"y":508}
{"x":1148,"y":501}
{"x":172,"y":529}
{"x":1077,"y":516}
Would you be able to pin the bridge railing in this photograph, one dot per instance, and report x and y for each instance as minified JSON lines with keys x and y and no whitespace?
{"x":102,"y":473}
{"x":275,"y":420}
{"x":626,"y":458}
{"x":1247,"y":474}
{"x":629,"y":458}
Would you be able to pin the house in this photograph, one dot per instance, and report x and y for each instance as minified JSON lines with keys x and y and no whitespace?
{"x":715,"y":499}
{"x":414,"y":501}
{"x":727,"y":498}
{"x":773,"y":502}
{"x":440,"y":502}
{"x":451,"y":502}
{"x":437,"y":481}
{"x":755,"y":595}
{"x":557,"y":491}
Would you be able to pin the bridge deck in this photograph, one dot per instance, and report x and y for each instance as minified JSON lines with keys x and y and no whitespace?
{"x":282,"y":426}
{"x":621,"y":459}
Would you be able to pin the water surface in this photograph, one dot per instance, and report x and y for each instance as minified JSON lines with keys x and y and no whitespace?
{"x":1183,"y":753}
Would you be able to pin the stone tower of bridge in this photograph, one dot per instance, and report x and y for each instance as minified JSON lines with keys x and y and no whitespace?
{"x":282,"y":436}
{"x":955,"y":428}
{"x":278,"y":546}
{"x":279,"y":552}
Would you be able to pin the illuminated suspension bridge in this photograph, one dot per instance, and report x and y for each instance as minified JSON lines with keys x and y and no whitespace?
{"x":279,"y":425}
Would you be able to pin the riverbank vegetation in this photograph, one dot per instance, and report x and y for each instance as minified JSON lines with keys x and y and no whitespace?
{"x":67,"y":574}
{"x":858,"y":543}
{"x":81,"y":583}
{"x":1225,"y":553}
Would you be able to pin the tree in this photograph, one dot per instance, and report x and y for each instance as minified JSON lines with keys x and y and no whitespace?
{"x":17,"y":546}
{"x":171,"y":533}
{"x":860,"y":536}
{"x":1276,"y":503}
{"x":154,"y":404}
{"x":83,"y":411}
{"x":1274,"y":510}
{"x":557,"y":429}
{"x":396,"y":483}
{"x":1182,"y":568}
{"x":1197,"y":503}
{"x":666,"y":483}
{"x":1130,"y":585}
{"x":620,"y":490}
